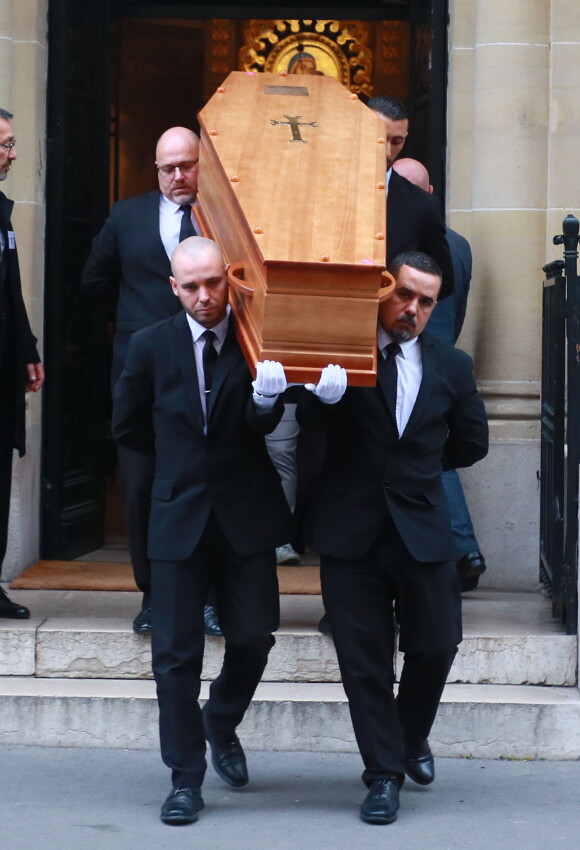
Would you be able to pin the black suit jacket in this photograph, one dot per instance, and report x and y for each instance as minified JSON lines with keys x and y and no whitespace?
{"x":369,"y":471}
{"x":414,"y":223}
{"x":157,"y":410}
{"x":128,"y":254}
{"x":22,"y":340}
{"x":448,"y":316}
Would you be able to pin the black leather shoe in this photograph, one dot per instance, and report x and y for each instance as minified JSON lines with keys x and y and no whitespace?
{"x":324,"y":625}
{"x":381,"y":803}
{"x":472,"y":564}
{"x":142,"y":622}
{"x":11,"y":610}
{"x":419,"y":764}
{"x":469,"y":569}
{"x":182,"y":806}
{"x":227,"y":756}
{"x":467,"y":584}
{"x":211,"y":624}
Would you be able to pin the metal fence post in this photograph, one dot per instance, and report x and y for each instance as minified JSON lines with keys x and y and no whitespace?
{"x":570,"y":240}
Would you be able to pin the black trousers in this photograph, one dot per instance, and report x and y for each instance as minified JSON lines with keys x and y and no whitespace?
{"x":7,"y":412}
{"x":361,"y":598}
{"x":249,"y":609}
{"x":137,"y":473}
{"x":6,"y":451}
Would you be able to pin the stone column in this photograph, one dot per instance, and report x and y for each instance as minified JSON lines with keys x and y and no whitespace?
{"x":514,"y":116}
{"x":23,"y":79}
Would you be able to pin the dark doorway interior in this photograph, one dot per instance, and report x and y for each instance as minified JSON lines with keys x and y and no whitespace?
{"x":146,"y":102}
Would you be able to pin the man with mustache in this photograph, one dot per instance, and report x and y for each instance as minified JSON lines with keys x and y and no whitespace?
{"x":447,"y":323}
{"x":380,"y":521}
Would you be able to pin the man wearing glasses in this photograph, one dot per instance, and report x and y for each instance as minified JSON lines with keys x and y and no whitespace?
{"x":20,"y":368}
{"x":131,"y":255}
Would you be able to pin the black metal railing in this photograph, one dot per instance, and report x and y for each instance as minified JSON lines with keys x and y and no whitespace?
{"x":560,"y":428}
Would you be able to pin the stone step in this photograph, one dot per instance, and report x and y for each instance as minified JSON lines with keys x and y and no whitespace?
{"x":508,"y":639}
{"x":108,"y":649}
{"x":483,"y":721}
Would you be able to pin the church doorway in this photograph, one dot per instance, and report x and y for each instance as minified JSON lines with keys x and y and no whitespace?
{"x":119,"y":74}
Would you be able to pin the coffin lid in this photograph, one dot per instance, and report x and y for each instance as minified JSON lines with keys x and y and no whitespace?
{"x":311,"y":188}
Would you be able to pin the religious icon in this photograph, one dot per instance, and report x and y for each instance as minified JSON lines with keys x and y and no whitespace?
{"x":309,"y":54}
{"x":303,"y":63}
{"x":339,"y":49}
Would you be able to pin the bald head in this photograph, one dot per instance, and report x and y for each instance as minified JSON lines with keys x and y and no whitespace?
{"x":414,"y":171}
{"x":199,"y":280}
{"x":173,"y":137}
{"x":176,"y":158}
{"x":193,"y":248}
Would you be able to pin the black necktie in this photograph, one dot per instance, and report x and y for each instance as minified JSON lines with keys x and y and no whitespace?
{"x":391,"y":375}
{"x":187,"y":228}
{"x":210,"y":357}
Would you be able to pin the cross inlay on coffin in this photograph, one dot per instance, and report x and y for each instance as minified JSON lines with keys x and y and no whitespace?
{"x":295,"y":125}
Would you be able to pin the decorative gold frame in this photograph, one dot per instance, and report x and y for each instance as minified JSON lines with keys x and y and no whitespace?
{"x":336,"y":48}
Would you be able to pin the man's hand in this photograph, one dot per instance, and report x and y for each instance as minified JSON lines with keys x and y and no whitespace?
{"x":270,"y":382}
{"x":331,"y":386}
{"x":35,"y":373}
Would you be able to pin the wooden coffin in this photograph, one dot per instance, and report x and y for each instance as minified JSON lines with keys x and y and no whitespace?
{"x":292,"y":185}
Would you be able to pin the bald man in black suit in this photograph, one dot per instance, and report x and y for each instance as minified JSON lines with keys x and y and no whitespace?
{"x":130,"y":256}
{"x":186,"y":400}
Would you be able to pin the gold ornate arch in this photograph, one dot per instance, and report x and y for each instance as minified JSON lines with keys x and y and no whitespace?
{"x":337,"y":48}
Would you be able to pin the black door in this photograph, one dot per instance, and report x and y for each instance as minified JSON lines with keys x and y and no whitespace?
{"x":428,"y":89}
{"x":77,"y":199}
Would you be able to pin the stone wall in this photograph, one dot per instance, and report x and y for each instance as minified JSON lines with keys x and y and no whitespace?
{"x":514,"y":126}
{"x":513,"y":130}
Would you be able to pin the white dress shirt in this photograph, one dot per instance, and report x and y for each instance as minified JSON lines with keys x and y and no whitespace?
{"x":170,"y":215}
{"x":409,"y":375}
{"x":220,"y":330}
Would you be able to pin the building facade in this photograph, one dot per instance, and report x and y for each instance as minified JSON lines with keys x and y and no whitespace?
{"x":513,"y":125}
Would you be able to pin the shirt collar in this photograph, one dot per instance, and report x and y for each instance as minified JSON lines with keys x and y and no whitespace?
{"x":383,"y":339}
{"x":220,"y":330}
{"x":172,"y":207}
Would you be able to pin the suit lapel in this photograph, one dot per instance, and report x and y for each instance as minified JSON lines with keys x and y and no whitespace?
{"x":151,"y":234}
{"x":6,"y":206}
{"x":186,"y":357}
{"x":228,"y":357}
{"x":429,"y":361}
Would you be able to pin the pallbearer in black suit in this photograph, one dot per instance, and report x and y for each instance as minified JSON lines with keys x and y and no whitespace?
{"x":379,"y":519}
{"x":131,"y":254}
{"x":446,"y":323}
{"x":414,"y":220}
{"x":20,"y":368}
{"x":217,"y":513}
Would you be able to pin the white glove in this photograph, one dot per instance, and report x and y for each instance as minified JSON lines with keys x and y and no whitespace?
{"x":331,"y":386}
{"x":270,"y":382}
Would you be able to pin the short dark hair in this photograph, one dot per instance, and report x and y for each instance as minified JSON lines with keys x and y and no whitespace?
{"x":390,"y":107}
{"x":417,"y":260}
{"x":7,"y":116}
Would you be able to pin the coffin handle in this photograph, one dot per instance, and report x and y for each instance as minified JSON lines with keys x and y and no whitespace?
{"x":236,"y":279}
{"x":388,"y":286}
